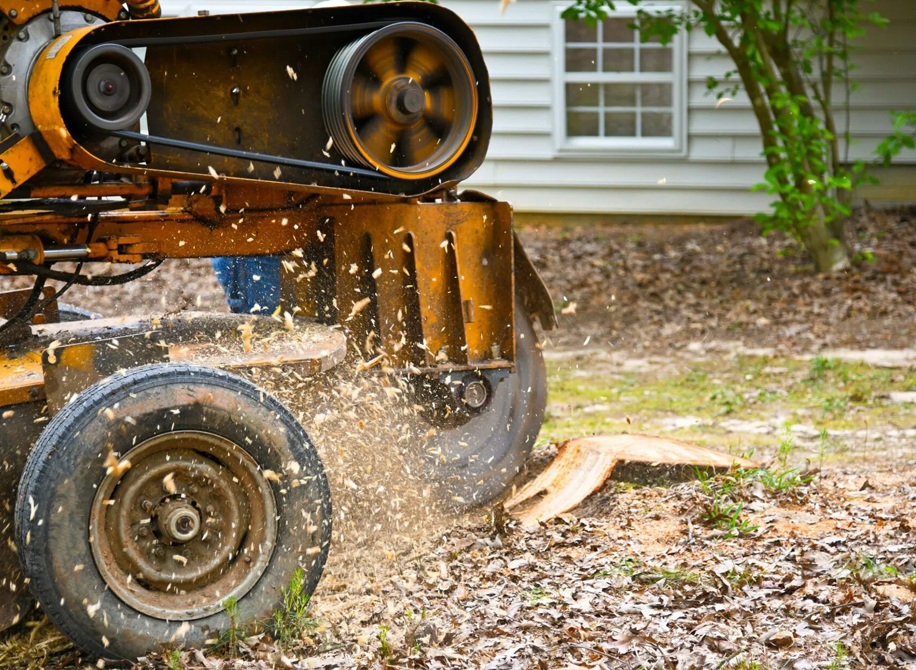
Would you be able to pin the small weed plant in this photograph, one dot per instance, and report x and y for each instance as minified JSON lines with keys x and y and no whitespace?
{"x":294,"y":620}
{"x":385,"y":649}
{"x":173,"y":661}
{"x":231,"y":637}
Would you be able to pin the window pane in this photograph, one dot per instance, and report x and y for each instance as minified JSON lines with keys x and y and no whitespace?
{"x":617,"y":30}
{"x":656,"y":95}
{"x":581,"y":95}
{"x":582,"y":124}
{"x":578,"y":31}
{"x":620,"y":124}
{"x":620,"y":95}
{"x":657,"y":124}
{"x":581,"y":60}
{"x":618,"y":60}
{"x":655,"y":60}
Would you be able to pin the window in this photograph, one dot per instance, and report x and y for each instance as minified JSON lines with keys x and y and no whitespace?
{"x":615,"y":93}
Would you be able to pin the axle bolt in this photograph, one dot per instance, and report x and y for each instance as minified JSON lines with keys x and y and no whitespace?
{"x":475,"y":394}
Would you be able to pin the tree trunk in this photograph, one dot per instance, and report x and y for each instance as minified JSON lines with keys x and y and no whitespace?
{"x":829,"y":253}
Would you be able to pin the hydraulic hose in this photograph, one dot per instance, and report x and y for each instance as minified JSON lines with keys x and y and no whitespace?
{"x":144,"y":9}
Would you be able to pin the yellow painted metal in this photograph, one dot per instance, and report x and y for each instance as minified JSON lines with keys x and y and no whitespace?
{"x":21,"y":162}
{"x":21,"y":379}
{"x":26,"y":10}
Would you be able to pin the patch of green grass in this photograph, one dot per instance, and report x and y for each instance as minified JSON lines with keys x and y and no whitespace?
{"x":173,"y":661}
{"x":590,"y":395}
{"x":724,"y":513}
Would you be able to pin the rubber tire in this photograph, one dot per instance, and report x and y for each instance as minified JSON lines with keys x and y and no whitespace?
{"x":500,"y":439}
{"x":70,"y":313}
{"x":65,"y":467}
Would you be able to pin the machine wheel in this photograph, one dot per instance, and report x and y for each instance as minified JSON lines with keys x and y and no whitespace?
{"x":402,"y":99}
{"x":70,"y":313}
{"x":225,"y":496}
{"x":478,"y":461}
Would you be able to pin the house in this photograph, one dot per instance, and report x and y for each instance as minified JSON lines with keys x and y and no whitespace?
{"x":592,"y":121}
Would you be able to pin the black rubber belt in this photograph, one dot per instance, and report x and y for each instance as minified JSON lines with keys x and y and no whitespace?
{"x":246,"y":155}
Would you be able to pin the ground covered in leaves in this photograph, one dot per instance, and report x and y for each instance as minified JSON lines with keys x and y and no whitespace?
{"x":706,"y":333}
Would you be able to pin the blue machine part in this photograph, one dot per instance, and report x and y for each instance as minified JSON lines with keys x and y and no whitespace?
{"x":251,"y":284}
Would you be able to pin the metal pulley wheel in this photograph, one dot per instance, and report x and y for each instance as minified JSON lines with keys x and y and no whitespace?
{"x":109,"y":88}
{"x":402,"y":99}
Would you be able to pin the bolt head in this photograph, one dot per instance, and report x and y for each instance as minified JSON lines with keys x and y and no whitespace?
{"x":475,"y":394}
{"x":13,"y":13}
{"x":143,"y":532}
{"x":147,"y":505}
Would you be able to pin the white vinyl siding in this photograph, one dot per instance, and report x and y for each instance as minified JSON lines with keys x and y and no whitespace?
{"x":719,"y":158}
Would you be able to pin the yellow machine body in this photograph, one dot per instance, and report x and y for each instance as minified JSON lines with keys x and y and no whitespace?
{"x":258,"y":134}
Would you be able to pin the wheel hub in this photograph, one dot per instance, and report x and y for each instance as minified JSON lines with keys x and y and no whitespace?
{"x":179,"y":522}
{"x":405,"y":101}
{"x":191,"y":523}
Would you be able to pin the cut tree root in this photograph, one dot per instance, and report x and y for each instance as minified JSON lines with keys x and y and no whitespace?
{"x":583,"y":465}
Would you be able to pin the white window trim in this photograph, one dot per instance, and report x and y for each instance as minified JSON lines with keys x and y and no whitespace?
{"x":637,"y":147}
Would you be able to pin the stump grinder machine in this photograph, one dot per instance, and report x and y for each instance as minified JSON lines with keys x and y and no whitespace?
{"x":144,"y":479}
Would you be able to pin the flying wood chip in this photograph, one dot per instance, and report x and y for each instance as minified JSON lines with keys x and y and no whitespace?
{"x":583,"y":465}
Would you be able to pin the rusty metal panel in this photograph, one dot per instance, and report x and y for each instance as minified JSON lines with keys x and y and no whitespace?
{"x":12,"y":301}
{"x":71,"y":368}
{"x":451,"y":262}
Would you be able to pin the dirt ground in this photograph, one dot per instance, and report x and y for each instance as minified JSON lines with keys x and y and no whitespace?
{"x":707,"y":333}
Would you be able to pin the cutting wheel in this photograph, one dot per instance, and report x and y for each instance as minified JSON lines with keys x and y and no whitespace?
{"x":402,"y":100}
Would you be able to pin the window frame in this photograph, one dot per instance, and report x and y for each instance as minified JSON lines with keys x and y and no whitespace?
{"x":675,"y":147}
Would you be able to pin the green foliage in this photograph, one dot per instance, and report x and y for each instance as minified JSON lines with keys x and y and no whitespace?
{"x":786,"y":447}
{"x":820,"y":366}
{"x":230,"y":638}
{"x":725,"y":514}
{"x":903,"y":137}
{"x":385,"y":649}
{"x":294,"y":620}
{"x":173,"y":661}
{"x":840,"y":655}
{"x":794,"y":60}
{"x":727,"y":399}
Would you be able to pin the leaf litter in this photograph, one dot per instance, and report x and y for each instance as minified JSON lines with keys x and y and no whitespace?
{"x":820,"y":573}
